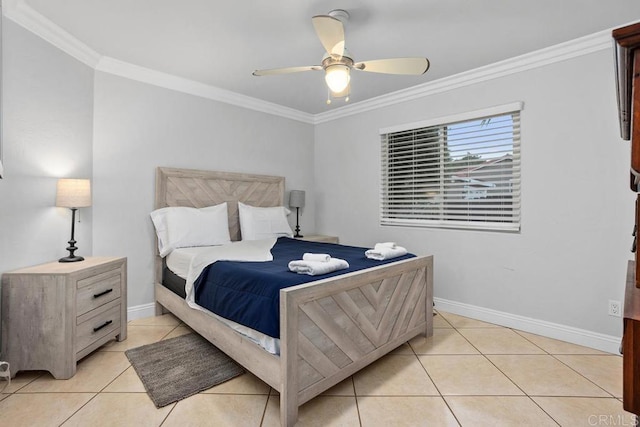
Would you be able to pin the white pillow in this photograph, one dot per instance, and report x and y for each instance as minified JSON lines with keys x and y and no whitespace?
{"x":263,"y":223}
{"x":181,"y":227}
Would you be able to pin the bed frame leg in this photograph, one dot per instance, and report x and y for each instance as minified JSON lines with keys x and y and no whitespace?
{"x":428,"y":326}
{"x":428,"y":330}
{"x":160,"y":310}
{"x":288,"y":411}
{"x":289,"y":307}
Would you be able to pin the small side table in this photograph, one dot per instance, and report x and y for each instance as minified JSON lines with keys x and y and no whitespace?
{"x":57,"y":313}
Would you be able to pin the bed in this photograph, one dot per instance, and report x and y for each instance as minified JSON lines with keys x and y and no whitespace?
{"x":329,"y":328}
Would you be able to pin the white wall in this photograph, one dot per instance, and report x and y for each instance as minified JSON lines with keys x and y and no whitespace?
{"x":47,"y":131}
{"x":570,"y":257}
{"x":139,"y":127}
{"x":566,"y":263}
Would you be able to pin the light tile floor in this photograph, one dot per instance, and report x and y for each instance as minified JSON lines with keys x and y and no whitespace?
{"x":470,"y":373}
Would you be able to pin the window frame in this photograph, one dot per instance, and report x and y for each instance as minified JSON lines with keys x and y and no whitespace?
{"x":443,"y":123}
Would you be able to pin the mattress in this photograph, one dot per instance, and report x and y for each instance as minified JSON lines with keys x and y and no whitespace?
{"x":174,"y":278}
{"x":178,"y":260}
{"x":249,"y":292}
{"x":173,"y":282}
{"x":243,"y":292}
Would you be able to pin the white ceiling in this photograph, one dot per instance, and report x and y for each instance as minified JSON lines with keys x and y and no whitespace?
{"x":220,"y":43}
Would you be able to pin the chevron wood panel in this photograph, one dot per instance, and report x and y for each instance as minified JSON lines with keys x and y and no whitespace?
{"x":420,"y":313}
{"x":308,"y":375}
{"x":356,"y":322}
{"x":321,"y":341}
{"x":184,"y":187}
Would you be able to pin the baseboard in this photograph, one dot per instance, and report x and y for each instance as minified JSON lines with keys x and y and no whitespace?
{"x":570,"y":334}
{"x":141,"y":311}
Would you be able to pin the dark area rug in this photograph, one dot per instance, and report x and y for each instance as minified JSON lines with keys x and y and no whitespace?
{"x":180,"y":367}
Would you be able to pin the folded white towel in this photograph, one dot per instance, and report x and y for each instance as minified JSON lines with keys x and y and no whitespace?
{"x":316,"y":268}
{"x":381,"y":253}
{"x":391,"y":245}
{"x":316,"y":257}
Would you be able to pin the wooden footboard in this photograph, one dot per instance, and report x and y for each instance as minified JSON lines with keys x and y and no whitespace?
{"x":329,"y":329}
{"x":332,"y":328}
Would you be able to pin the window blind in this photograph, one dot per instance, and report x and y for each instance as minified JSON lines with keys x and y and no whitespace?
{"x":459,"y":174}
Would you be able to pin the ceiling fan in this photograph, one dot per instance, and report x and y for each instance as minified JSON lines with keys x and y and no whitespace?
{"x":338,"y":62}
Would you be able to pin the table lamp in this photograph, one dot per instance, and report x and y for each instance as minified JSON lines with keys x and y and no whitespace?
{"x":296,"y":200}
{"x":73,"y":194}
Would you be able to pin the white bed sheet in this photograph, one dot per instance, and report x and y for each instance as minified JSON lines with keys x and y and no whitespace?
{"x":179,"y":260}
{"x":188,"y":263}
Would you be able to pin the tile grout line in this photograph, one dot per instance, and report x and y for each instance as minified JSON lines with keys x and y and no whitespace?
{"x":270,"y":393}
{"x":553,"y":355}
{"x":266,"y":405}
{"x":355,"y":396}
{"x":507,"y":376}
{"x":489,"y":360}
{"x":78,"y":410}
{"x":499,"y":370}
{"x":582,"y":375}
{"x":98,"y":393}
{"x":434,"y":384}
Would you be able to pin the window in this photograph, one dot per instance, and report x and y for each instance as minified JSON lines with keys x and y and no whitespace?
{"x":455,"y":172}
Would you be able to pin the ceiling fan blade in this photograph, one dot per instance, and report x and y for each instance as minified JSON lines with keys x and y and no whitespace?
{"x":286,"y":70}
{"x":412,"y":66}
{"x":330,"y":31}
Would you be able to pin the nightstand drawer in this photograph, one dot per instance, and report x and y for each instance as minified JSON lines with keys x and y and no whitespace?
{"x":97,"y":290}
{"x":102,"y":324}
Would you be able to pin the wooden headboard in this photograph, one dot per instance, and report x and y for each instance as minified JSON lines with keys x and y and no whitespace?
{"x":198,"y":189}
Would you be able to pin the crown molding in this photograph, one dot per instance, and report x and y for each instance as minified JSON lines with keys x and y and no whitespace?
{"x":192,"y":87}
{"x":28,"y":18}
{"x":25,"y":16}
{"x":539,"y":58}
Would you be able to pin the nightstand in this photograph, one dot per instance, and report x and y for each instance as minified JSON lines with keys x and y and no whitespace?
{"x":320,"y":238}
{"x":57,"y":313}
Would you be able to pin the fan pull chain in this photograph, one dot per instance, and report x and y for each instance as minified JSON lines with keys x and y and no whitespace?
{"x":346,"y":98}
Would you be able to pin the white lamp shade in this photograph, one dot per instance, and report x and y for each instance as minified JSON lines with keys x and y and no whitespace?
{"x":296,"y":199}
{"x":73,"y":193}
{"x":337,"y":77}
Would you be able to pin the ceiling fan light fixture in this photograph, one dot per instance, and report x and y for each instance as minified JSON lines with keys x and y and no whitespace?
{"x":337,"y":62}
{"x":337,"y":77}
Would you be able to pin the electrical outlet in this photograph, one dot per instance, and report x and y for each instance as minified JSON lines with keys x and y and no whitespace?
{"x":614,"y":308}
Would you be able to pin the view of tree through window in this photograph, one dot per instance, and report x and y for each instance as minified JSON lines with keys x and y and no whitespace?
{"x":464,"y":174}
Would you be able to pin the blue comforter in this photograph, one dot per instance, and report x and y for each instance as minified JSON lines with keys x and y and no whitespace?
{"x":249,"y":292}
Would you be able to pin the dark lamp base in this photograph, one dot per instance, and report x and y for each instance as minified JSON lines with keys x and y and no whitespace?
{"x":71,"y":259}
{"x":297,"y":235}
{"x":72,"y":243}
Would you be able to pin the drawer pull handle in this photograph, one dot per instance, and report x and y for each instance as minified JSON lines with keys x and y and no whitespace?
{"x":102,"y":293}
{"x":104,"y":325}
